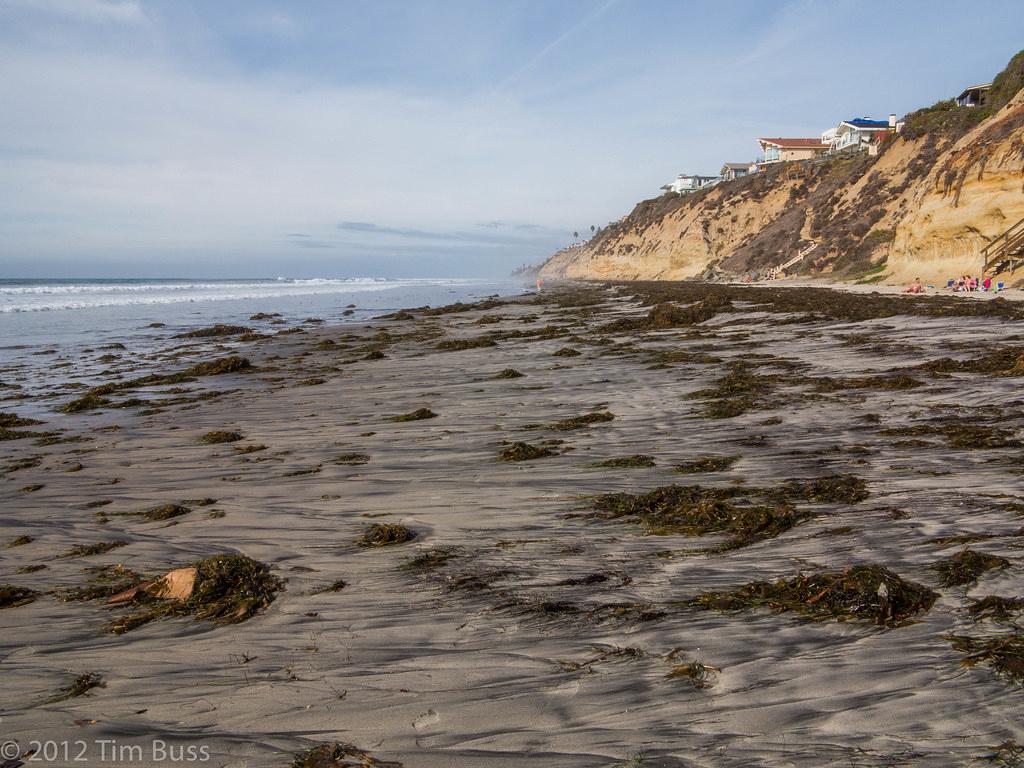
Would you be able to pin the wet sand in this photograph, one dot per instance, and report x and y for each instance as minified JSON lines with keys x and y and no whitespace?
{"x":520,"y":627}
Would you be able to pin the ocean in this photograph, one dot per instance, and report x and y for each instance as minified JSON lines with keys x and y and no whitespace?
{"x":50,"y":329}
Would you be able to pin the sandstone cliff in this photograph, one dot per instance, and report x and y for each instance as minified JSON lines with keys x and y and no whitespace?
{"x":924,"y":206}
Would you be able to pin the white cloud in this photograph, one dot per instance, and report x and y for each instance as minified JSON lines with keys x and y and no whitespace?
{"x":118,"y":11}
{"x":101,"y":153}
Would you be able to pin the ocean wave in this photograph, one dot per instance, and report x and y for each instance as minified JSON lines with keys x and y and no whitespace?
{"x":43,"y":297}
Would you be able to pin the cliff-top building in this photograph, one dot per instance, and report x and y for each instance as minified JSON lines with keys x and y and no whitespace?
{"x":732,"y":171}
{"x":973,"y":96}
{"x":780,"y":150}
{"x":688,"y":183}
{"x":859,"y":134}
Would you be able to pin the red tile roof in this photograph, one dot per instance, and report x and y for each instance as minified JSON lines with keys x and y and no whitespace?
{"x":795,"y":143}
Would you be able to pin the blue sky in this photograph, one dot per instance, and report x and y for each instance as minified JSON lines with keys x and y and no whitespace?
{"x":453,"y":137}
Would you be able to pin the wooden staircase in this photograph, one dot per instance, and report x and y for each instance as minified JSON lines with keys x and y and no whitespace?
{"x":1006,"y":252}
{"x":775,"y":272}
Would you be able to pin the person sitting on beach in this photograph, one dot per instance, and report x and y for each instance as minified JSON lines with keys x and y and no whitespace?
{"x":972,"y":283}
{"x":915,"y":287}
{"x":986,"y":284}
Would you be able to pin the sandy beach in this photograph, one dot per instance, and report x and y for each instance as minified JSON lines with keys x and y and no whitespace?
{"x":547,"y":609}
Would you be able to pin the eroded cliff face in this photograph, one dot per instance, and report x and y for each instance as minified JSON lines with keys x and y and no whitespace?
{"x":969,"y":197}
{"x":923,"y":207}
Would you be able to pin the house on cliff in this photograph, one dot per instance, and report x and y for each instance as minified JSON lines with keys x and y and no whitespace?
{"x":732,"y":171}
{"x":780,"y":150}
{"x":687,"y":183}
{"x":860,"y":134}
{"x":973,"y":96}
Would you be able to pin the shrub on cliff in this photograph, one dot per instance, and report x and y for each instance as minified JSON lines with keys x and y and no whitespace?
{"x":948,"y":118}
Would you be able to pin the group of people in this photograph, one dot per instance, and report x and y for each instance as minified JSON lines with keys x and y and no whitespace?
{"x":967,"y":284}
{"x":962,"y":284}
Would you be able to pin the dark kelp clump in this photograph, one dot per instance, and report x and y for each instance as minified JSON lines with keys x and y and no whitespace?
{"x":695,"y":511}
{"x":96,"y":397}
{"x":963,"y":435}
{"x":460,"y":306}
{"x":625,"y":462}
{"x":80,"y":686}
{"x":12,"y":596}
{"x":701,"y":676}
{"x":891,"y":382}
{"x":1004,"y":653}
{"x":221,"y":436}
{"x":740,"y":390}
{"x":220,"y":329}
{"x":863,"y":593}
{"x":385,"y":535}
{"x":1007,"y":361}
{"x":21,"y":434}
{"x":996,"y":608}
{"x":227,"y":589}
{"x":8,"y":420}
{"x":88,"y":550}
{"x":457,"y":345}
{"x":335,"y":586}
{"x":966,"y":566}
{"x":164,"y":512}
{"x":706,"y":464}
{"x":352,"y":458}
{"x":429,"y":559}
{"x":578,"y":422}
{"x":338,"y":755}
{"x":524,"y":452}
{"x":666,"y":315}
{"x":509,"y":373}
{"x":418,"y":415}
{"x":832,"y":489}
{"x":231,"y":364}
{"x":747,"y":515}
{"x":104,"y":581}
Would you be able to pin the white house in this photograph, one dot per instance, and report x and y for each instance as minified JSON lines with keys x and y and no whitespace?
{"x":860,"y":133}
{"x":687,"y":183}
{"x":973,"y":96}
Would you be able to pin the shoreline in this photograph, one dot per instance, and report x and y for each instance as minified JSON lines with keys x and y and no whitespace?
{"x":521,"y":622}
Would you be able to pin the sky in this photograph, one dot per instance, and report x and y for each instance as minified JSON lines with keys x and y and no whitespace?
{"x":405,"y":138}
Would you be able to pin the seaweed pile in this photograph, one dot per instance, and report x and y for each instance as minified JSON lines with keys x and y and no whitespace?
{"x":338,"y":755}
{"x":520,"y":451}
{"x":1004,"y":653}
{"x":693,"y":510}
{"x":227,"y":589}
{"x":740,"y":390}
{"x":966,"y":566}
{"x":864,"y":593}
{"x":665,"y":315}
{"x":386,"y":535}
{"x":96,"y":397}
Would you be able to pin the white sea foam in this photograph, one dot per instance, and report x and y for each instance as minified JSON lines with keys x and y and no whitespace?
{"x":49,"y":296}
